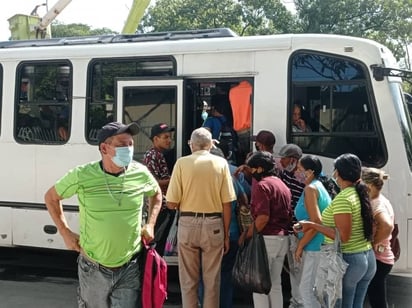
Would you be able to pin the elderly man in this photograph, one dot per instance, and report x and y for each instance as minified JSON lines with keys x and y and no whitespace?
{"x":201,"y":188}
{"x":110,"y":194}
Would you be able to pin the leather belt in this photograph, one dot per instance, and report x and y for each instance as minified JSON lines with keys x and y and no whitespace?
{"x":200,"y":215}
{"x":115,"y":268}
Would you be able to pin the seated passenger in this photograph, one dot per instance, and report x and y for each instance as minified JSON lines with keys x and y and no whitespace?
{"x":298,"y":124}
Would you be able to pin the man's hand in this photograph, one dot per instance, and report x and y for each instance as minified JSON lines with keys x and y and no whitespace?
{"x":71,"y":240}
{"x":148,"y":232}
{"x":226,"y":245}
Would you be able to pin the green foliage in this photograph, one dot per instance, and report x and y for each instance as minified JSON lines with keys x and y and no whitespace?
{"x":245,"y":17}
{"x":62,"y":30}
{"x":386,"y":21}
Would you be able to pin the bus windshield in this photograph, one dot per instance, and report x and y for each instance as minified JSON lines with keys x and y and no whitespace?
{"x":404,"y":118}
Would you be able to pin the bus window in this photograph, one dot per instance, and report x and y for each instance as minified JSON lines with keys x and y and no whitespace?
{"x":337,"y":105}
{"x":102,"y":74}
{"x":43,"y":102}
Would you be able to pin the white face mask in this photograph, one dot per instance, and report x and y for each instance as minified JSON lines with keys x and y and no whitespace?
{"x":290,"y":167}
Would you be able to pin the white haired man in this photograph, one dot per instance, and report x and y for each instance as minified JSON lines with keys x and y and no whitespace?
{"x":201,"y":188}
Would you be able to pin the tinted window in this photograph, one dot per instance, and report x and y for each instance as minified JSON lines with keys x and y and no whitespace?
{"x":43,"y":102}
{"x":101,"y":107}
{"x":335,"y":102}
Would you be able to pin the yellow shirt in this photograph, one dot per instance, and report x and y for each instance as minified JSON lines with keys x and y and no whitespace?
{"x":201,"y":182}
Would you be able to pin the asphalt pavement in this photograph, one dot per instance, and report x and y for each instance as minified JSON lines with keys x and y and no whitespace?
{"x":26,"y":281}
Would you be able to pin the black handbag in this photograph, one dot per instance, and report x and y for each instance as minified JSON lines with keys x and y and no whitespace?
{"x":251,"y":270}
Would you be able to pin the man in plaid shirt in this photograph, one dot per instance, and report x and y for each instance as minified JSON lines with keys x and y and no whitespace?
{"x":161,"y":136}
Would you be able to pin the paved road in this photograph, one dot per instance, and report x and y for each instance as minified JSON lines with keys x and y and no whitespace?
{"x":25,"y":285}
{"x":21,"y":290}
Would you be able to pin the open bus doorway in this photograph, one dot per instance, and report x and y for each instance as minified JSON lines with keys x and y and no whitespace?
{"x":203,"y":95}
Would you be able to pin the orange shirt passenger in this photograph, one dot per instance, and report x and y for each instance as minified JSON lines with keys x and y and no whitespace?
{"x":240,"y":101}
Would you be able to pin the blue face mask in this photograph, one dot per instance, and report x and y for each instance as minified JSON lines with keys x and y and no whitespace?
{"x":204,"y":115}
{"x":123,"y":157}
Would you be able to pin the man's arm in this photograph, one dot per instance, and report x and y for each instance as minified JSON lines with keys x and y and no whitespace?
{"x":55,"y":208}
{"x":227,"y":215}
{"x":155,"y":203}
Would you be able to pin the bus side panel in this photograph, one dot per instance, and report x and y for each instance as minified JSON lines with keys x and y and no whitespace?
{"x":42,"y":233}
{"x":217,"y":63}
{"x":5,"y":226}
{"x":270,"y":93}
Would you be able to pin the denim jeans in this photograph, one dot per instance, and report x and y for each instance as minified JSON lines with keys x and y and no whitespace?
{"x":277,"y":247}
{"x":361,"y":269}
{"x":310,"y":264}
{"x":295,"y":274}
{"x":100,"y":287}
{"x":226,"y":285}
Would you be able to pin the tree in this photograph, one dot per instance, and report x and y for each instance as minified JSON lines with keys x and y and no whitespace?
{"x":62,"y":30}
{"x":386,"y":21}
{"x":246,"y":17}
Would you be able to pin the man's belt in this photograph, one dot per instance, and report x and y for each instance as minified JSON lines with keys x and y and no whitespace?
{"x":200,"y":215}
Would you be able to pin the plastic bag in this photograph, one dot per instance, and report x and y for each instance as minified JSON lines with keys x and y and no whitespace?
{"x":251,"y":270}
{"x":171,"y":241}
{"x":331,"y":268}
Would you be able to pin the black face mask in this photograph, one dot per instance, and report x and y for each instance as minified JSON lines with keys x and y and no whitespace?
{"x":257,"y":176}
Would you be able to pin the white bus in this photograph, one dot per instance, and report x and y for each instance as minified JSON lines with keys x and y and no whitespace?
{"x":56,"y":94}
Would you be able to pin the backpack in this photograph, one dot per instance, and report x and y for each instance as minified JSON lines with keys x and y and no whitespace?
{"x":331,"y":187}
{"x":227,"y":140}
{"x":154,"y":287}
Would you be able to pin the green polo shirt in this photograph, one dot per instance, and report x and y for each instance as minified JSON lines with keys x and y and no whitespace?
{"x":110,"y":209}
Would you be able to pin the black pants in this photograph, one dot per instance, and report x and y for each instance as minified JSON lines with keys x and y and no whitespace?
{"x":163,"y":223}
{"x":377,"y":286}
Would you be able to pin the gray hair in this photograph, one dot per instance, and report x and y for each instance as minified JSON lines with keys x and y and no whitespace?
{"x":201,"y":139}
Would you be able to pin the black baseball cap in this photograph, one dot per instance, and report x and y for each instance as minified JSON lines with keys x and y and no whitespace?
{"x":160,"y":129}
{"x":116,"y":128}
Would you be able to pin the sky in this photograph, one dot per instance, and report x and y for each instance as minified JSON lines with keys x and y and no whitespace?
{"x":95,"y":13}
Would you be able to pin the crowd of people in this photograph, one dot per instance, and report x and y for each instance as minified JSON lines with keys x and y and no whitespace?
{"x":289,"y":205}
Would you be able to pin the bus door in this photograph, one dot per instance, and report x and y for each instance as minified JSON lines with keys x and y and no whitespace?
{"x":149,"y":102}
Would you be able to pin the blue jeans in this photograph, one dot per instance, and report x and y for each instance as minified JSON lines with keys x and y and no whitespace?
{"x":226,"y":285}
{"x":361,"y":269}
{"x":100,"y":287}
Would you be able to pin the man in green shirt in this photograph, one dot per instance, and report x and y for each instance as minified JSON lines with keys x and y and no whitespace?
{"x":110,"y":193}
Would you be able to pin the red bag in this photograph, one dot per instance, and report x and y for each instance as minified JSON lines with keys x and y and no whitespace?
{"x":154,"y":288}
